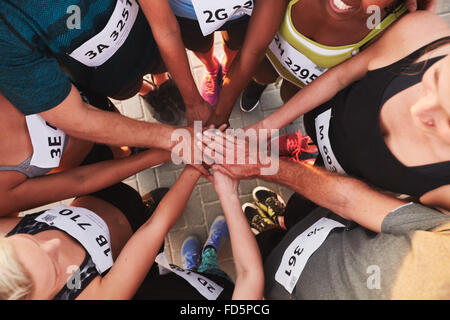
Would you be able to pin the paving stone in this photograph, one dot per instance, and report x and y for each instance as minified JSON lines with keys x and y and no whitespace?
{"x":271,"y":100}
{"x":146,"y":181}
{"x":247,"y":186}
{"x":443,"y":6}
{"x":193,"y":213}
{"x":166,"y":178}
{"x":208,"y":193}
{"x":132,"y":108}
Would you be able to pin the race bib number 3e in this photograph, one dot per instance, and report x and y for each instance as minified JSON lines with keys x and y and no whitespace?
{"x":297,"y":254}
{"x":48,"y":142}
{"x":294,"y":61}
{"x":212,"y":14}
{"x":97,"y":50}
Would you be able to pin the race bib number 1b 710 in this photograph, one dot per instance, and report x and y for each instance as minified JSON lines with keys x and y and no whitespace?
{"x":97,"y":50}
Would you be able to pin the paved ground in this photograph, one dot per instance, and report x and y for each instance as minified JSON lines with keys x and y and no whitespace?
{"x":203,"y":205}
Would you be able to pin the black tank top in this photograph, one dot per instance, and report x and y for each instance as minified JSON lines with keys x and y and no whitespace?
{"x":355,"y":134}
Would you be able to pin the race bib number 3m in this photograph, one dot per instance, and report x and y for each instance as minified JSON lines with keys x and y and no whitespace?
{"x":97,"y":50}
{"x":322,"y":123}
{"x":212,"y":14}
{"x":300,"y":250}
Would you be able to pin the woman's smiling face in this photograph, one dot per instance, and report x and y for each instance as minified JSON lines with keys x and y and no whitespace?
{"x":350,"y":9}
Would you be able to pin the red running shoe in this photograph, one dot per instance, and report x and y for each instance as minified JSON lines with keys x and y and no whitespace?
{"x":298,"y":147}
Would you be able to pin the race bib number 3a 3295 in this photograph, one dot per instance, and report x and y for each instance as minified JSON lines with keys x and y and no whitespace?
{"x":97,"y":50}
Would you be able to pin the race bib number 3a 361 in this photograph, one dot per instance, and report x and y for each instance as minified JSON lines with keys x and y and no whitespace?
{"x":212,"y":14}
{"x":97,"y":50}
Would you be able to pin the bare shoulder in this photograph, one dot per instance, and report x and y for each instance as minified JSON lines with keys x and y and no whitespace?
{"x":439,"y":198}
{"x":408,"y":34}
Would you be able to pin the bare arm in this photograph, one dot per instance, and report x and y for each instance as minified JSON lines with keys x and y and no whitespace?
{"x":140,"y":252}
{"x":74,"y":182}
{"x":264,"y":23}
{"x":409,"y":33}
{"x":167,"y":34}
{"x":249,"y":269}
{"x":83,"y":121}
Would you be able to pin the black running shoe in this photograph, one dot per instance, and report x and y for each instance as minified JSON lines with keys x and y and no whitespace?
{"x":162,"y":103}
{"x":251,"y":95}
{"x":258,"y":221}
{"x":152,"y":199}
{"x":269,"y":202}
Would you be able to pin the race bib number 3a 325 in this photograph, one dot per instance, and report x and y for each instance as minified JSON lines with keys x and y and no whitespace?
{"x":212,"y":14}
{"x":97,"y":50}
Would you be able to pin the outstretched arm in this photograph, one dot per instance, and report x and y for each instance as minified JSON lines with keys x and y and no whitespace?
{"x":140,"y":251}
{"x":167,"y":34}
{"x":348,"y":197}
{"x":264,"y":23}
{"x":249,"y":269}
{"x":74,"y":182}
{"x":83,"y":121}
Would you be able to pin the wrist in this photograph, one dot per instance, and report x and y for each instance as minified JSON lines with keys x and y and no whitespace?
{"x":194,"y":99}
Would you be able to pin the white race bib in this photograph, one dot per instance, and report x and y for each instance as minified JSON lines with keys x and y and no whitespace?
{"x":212,"y":14}
{"x":48,"y":142}
{"x":87,"y":228}
{"x":322,"y":123}
{"x":207,"y":288}
{"x":297,"y":254}
{"x":101,"y":47}
{"x":294,"y":61}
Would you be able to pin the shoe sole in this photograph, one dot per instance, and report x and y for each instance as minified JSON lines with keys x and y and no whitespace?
{"x":261,"y":205}
{"x":245,"y":110}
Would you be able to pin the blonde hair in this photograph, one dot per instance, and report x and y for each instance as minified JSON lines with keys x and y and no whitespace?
{"x":15,"y":284}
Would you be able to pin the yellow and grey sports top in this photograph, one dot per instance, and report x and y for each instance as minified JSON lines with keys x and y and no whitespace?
{"x":301,"y":60}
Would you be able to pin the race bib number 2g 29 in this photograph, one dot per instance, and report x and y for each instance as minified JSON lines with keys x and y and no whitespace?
{"x":212,"y":14}
{"x":97,"y":50}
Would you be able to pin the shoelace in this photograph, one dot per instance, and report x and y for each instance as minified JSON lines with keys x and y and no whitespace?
{"x":300,"y":144}
{"x":210,"y":83}
{"x":274,"y":206}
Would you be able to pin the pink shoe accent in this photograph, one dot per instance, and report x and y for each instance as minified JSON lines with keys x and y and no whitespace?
{"x":210,"y":86}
